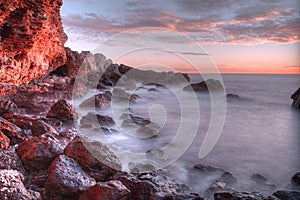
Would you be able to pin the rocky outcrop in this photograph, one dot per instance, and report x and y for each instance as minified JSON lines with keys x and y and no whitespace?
{"x":296,"y":99}
{"x":208,"y":85}
{"x":32,"y":39}
{"x":63,"y":111}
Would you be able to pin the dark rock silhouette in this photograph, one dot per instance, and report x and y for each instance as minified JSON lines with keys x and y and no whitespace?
{"x":296,"y":99}
{"x":208,"y":85}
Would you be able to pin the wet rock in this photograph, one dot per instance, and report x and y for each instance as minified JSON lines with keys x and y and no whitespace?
{"x":39,"y":152}
{"x":32,"y":40}
{"x":240,"y":196}
{"x":207,"y":168}
{"x":258,"y":178}
{"x":10,"y":160}
{"x":140,"y":189}
{"x":106,"y":190}
{"x":217,"y":186}
{"x":232,"y":96}
{"x":141,"y":167}
{"x":12,"y":187}
{"x":66,"y":178}
{"x":120,"y":95}
{"x":287,"y":195}
{"x":95,"y":119}
{"x":131,"y":120}
{"x":127,"y":83}
{"x":35,"y":126}
{"x":228,"y":179}
{"x":63,"y":111}
{"x":11,"y":131}
{"x":295,"y":180}
{"x":296,"y":99}
{"x":98,"y":100}
{"x":7,"y":107}
{"x":261,"y":184}
{"x":97,"y":159}
{"x":4,"y":141}
{"x":208,"y":85}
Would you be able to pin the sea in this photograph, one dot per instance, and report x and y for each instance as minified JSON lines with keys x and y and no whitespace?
{"x":260,"y":133}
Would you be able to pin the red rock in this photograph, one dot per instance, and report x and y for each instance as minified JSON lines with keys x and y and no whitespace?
{"x":98,"y":100}
{"x":95,"y":158}
{"x":36,"y":126}
{"x":106,"y":190}
{"x":96,"y":119}
{"x":7,"y":107}
{"x":65,"y":177}
{"x":10,"y":160}
{"x":39,"y":152}
{"x":12,"y":187}
{"x":32,"y":39}
{"x":13,"y":132}
{"x":4,"y":141}
{"x":63,"y":111}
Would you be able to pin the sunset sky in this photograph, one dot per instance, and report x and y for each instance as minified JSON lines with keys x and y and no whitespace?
{"x":239,"y":36}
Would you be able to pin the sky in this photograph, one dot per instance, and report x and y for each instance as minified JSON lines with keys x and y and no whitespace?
{"x":230,"y":36}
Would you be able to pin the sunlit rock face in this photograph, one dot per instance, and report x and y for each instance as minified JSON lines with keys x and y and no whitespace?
{"x":31,"y":39}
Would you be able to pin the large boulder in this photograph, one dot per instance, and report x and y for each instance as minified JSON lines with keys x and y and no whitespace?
{"x":296,"y":99}
{"x":12,"y":187}
{"x":66,"y":177}
{"x":11,"y":131}
{"x":106,"y":190}
{"x":32,"y":39}
{"x":39,"y":152}
{"x":97,"y":159}
{"x":63,"y":111}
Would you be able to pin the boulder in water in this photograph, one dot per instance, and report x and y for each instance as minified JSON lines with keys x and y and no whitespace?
{"x":208,"y":85}
{"x":296,"y":99}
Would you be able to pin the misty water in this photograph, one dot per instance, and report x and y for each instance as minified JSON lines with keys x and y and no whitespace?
{"x":261,"y":133}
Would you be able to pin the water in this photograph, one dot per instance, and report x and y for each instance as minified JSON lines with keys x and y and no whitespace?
{"x":261,"y":133}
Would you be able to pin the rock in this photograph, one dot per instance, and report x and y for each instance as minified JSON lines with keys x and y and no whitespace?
{"x":39,"y":152}
{"x":4,"y":141}
{"x":63,"y":111}
{"x":261,"y":185}
{"x":140,"y":189}
{"x":106,"y":190}
{"x":10,"y":160}
{"x":11,"y":131}
{"x":216,"y":187}
{"x":35,"y":126}
{"x":296,"y":99}
{"x":207,"y":168}
{"x":141,"y":167}
{"x":228,"y":179}
{"x":7,"y":107}
{"x":131,"y":120}
{"x":258,"y":178}
{"x":66,"y":178}
{"x":97,"y":159}
{"x":241,"y":196}
{"x":232,"y":96}
{"x":208,"y":85}
{"x":120,"y":95}
{"x":12,"y":187}
{"x":98,"y":100}
{"x":95,"y":119}
{"x":287,"y":195}
{"x":32,"y":39}
{"x":295,"y":180}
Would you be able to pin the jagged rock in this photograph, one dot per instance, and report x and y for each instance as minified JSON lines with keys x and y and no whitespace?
{"x":287,"y":195}
{"x":140,"y":189}
{"x":240,"y":196}
{"x":11,"y":131}
{"x":35,"y":126}
{"x":120,"y":95}
{"x":106,"y":190}
{"x":7,"y":107}
{"x":12,"y":187}
{"x":39,"y":152}
{"x":4,"y":141}
{"x":208,"y":85}
{"x":217,"y":186}
{"x":97,"y":159}
{"x":295,"y":180}
{"x":97,"y":100}
{"x":228,"y":179}
{"x":63,"y":111}
{"x":32,"y":39}
{"x":66,"y":178}
{"x":10,"y":160}
{"x":93,"y":119}
{"x":296,"y":99}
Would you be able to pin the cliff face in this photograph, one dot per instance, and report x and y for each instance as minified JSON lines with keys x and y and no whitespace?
{"x":32,"y":39}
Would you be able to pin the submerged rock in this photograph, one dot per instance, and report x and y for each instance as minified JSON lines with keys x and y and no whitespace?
{"x":106,"y":190}
{"x":32,"y":39}
{"x":296,"y":99}
{"x":207,"y":168}
{"x":97,"y":159}
{"x":208,"y":85}
{"x":39,"y":152}
{"x":12,"y":187}
{"x":66,"y":177}
{"x":63,"y":111}
{"x":232,"y":96}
